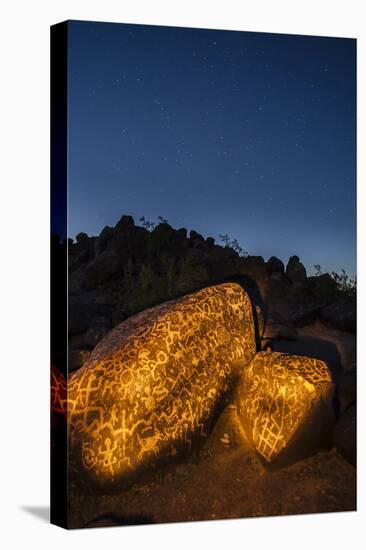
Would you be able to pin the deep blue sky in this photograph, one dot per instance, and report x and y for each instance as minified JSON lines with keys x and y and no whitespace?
{"x":248,"y":134}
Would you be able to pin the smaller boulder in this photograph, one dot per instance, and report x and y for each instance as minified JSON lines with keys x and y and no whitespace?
{"x":285,"y":405}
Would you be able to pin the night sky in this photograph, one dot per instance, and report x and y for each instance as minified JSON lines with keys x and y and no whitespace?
{"x":246,"y":134}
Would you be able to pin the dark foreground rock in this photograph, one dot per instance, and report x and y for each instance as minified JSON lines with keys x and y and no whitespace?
{"x":345,"y":435}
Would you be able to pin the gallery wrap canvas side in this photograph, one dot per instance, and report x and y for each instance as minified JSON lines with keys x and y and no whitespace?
{"x":203,"y":274}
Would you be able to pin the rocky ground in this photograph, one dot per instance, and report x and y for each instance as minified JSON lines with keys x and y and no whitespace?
{"x":226,"y":480}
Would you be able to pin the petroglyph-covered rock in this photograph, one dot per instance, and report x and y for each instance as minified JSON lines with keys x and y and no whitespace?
{"x":284,"y":404}
{"x":345,"y":435}
{"x":155,"y":382}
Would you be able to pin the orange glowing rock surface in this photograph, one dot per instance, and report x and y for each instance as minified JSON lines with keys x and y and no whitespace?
{"x":154,"y":383}
{"x":284,"y":404}
{"x":58,"y":392}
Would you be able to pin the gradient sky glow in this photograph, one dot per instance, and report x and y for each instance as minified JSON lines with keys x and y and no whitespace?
{"x":248,"y":134}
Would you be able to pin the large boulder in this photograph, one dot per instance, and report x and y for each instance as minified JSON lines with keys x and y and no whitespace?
{"x":152,"y":387}
{"x":284,"y":404}
{"x":340,"y":315}
{"x":295,"y":270}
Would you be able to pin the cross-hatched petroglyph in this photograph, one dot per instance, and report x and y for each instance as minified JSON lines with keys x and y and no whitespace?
{"x":277,"y":395}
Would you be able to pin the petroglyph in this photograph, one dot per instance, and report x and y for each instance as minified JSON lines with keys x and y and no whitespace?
{"x":279,"y":397}
{"x":153,"y":383}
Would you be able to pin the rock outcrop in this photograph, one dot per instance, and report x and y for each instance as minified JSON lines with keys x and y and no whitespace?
{"x":131,"y":268}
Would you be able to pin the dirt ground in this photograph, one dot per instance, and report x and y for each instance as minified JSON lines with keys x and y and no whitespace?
{"x":226,"y":480}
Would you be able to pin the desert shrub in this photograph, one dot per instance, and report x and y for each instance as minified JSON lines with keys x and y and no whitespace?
{"x":147,"y":285}
{"x":150,"y":225}
{"x":147,"y":224}
{"x":346,"y":285}
{"x":189,"y":275}
{"x":233,"y":244}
